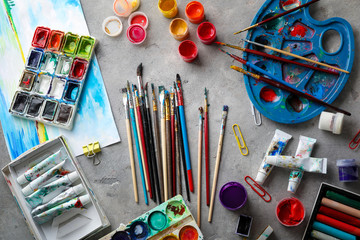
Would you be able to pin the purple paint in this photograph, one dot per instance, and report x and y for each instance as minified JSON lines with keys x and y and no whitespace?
{"x":233,"y":196}
{"x":348,"y":170}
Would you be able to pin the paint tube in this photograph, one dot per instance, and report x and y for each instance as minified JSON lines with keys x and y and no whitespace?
{"x":61,"y":198}
{"x":308,"y":164}
{"x":277,"y":145}
{"x":42,"y":166}
{"x":46,"y":216}
{"x":33,"y":186}
{"x":51,"y":190}
{"x":304,"y":149}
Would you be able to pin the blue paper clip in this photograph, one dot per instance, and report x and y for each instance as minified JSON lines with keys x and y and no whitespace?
{"x":264,"y":193}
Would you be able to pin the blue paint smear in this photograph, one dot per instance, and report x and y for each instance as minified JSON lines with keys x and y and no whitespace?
{"x":278,"y":148}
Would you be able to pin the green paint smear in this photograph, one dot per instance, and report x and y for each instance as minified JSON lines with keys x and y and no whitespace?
{"x":85,"y":48}
{"x":70,"y":43}
{"x":275,"y":24}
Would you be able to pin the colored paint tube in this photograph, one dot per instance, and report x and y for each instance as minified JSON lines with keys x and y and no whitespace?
{"x":61,"y":198}
{"x":42,"y":166}
{"x":51,"y":190}
{"x":322,"y":236}
{"x":332,"y":231}
{"x":304,"y":149}
{"x":33,"y":186}
{"x":46,"y":216}
{"x":343,"y":199}
{"x":338,"y":224}
{"x":307,"y":164}
{"x":277,"y":145}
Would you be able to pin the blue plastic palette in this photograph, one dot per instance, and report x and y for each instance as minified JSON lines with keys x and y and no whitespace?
{"x":55,"y":72}
{"x":300,"y":34}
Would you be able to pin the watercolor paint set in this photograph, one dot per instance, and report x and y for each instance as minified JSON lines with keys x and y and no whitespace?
{"x":335,"y":215}
{"x":171,"y":220}
{"x":73,"y":212}
{"x":297,"y":33}
{"x":55,"y":72}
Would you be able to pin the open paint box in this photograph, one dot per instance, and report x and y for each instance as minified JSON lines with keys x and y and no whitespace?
{"x":78,"y":223}
{"x":171,"y":220}
{"x":54,"y":75}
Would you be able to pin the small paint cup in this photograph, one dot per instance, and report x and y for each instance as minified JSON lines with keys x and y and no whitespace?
{"x":122,"y":8}
{"x":348,"y":170}
{"x":168,"y":8}
{"x":206,"y":32}
{"x":139,"y":18}
{"x":121,"y":235}
{"x":290,"y":212}
{"x":179,"y":29}
{"x":136,"y":34}
{"x":188,"y":50}
{"x":233,"y":196}
{"x":331,"y":122}
{"x":134,"y":4}
{"x":195,"y":12}
{"x":188,"y":233}
{"x":112,"y":26}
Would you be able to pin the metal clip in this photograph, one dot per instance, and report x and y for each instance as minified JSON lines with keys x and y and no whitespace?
{"x":264,"y":193}
{"x":256,"y":114}
{"x":90,"y":151}
{"x":355,"y":141}
{"x":241,"y":146}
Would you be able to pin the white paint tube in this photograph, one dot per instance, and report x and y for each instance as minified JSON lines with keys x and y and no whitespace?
{"x":61,"y":198}
{"x":304,"y":149}
{"x":277,"y":145}
{"x":308,"y":164}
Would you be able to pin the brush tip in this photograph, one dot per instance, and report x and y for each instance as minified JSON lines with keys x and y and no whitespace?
{"x":146,"y":84}
{"x":178,"y":77}
{"x":201,"y":109}
{"x":225,"y":108}
{"x":124,"y":90}
{"x":139,"y":70}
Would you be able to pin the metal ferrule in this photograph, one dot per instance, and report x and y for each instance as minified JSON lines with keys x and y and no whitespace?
{"x":126,"y":105}
{"x":131,"y":101}
{"x":139,"y":78}
{"x":179,"y":93}
{"x":172,"y":102}
{"x":223,"y":122}
{"x":167,"y":106}
{"x":200,"y":119}
{"x":162,"y":104}
{"x":146,"y":99}
{"x":136,"y":98}
{"x":154,"y":102}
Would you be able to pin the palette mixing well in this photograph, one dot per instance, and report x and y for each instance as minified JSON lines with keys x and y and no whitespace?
{"x":53,"y":78}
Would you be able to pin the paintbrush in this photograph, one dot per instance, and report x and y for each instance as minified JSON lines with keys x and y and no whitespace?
{"x":139,"y":71}
{"x":206,"y":140}
{"x":152,"y":145}
{"x":181,"y":145}
{"x":178,"y":163}
{"x":291,"y":90}
{"x":168,"y":142}
{"x":173,"y":150}
{"x":133,"y":122}
{"x":184,"y":131}
{"x":296,"y":56}
{"x":163,"y":140}
{"x":278,"y":58}
{"x":131,"y":151}
{"x":218,"y":159}
{"x":199,"y":167}
{"x":277,"y":16}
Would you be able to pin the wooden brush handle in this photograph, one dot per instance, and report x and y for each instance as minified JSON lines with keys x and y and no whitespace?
{"x":199,"y":178}
{"x":132,"y":161}
{"x":164,"y":160}
{"x":141,"y":152}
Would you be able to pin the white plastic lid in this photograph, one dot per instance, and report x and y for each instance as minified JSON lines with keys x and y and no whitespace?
{"x":346,"y":163}
{"x":22,"y":180}
{"x":325,"y":121}
{"x":292,"y":186}
{"x":78,"y":189}
{"x":112,"y":26}
{"x":73,"y":176}
{"x":27,"y":190}
{"x":84,"y":199}
{"x":338,"y":124}
{"x":260,"y":178}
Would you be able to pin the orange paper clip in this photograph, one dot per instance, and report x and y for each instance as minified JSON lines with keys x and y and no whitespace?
{"x":355,"y":141}
{"x":263,"y":194}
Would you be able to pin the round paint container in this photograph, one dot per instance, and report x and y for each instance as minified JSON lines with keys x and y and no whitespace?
{"x":157,"y":220}
{"x":112,"y":26}
{"x":136,"y":34}
{"x":290,"y":212}
{"x":139,"y":18}
{"x":121,"y":235}
{"x":175,"y":209}
{"x":138,"y":230}
{"x":348,"y":170}
{"x":188,"y":50}
{"x":233,"y":196}
{"x":134,"y":4}
{"x":331,"y":122}
{"x":122,"y":8}
{"x":170,"y":237}
{"x":195,"y":12}
{"x":168,"y":8}
{"x":188,"y":233}
{"x":179,"y":29}
{"x":206,"y":32}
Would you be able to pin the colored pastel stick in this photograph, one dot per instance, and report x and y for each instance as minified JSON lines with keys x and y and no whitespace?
{"x":338,"y":224}
{"x":343,"y":199}
{"x":332,"y":231}
{"x":340,"y":207}
{"x":340,"y":216}
{"x":322,"y":236}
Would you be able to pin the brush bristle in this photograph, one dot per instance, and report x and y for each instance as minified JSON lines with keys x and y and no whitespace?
{"x":161,"y":88}
{"x":152,"y":87}
{"x":124,"y":90}
{"x":201,"y":109}
{"x":225,"y":108}
{"x":178,"y":77}
{"x":139,"y":70}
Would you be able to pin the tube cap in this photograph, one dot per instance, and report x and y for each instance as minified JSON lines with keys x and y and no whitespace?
{"x":293,"y":186}
{"x":84,"y":199}
{"x":22,"y":180}
{"x":260,"y":178}
{"x":78,"y":189}
{"x":73,"y":176}
{"x":338,"y":124}
{"x":27,"y":190}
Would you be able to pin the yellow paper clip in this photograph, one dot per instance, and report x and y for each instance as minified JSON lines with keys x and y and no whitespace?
{"x":91,"y":150}
{"x":241,"y":147}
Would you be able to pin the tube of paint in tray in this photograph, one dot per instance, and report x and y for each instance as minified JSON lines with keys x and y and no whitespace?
{"x":51,"y":190}
{"x":304,"y":149}
{"x":42,"y":166}
{"x":307,"y":164}
{"x":61,"y":198}
{"x":46,"y":216}
{"x":277,"y":145}
{"x":33,"y":186}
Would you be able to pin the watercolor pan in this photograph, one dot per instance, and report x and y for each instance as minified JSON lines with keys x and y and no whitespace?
{"x":80,"y":224}
{"x":49,"y":110}
{"x":35,"y":104}
{"x":56,"y":72}
{"x":41,"y":37}
{"x":168,"y":221}
{"x":324,"y":188}
{"x":300,"y":34}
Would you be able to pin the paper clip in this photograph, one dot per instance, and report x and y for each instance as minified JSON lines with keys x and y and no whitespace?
{"x":90,"y":151}
{"x":241,"y":147}
{"x":264,"y":193}
{"x":256,"y":114}
{"x":355,"y":141}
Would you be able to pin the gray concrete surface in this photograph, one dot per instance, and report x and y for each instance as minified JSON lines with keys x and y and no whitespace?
{"x":118,"y":59}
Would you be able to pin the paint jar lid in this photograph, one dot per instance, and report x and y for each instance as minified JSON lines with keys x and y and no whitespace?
{"x":346,"y":163}
{"x":73,"y":176}
{"x":260,"y":178}
{"x":136,"y":34}
{"x":84,"y":199}
{"x":112,"y":26}
{"x":331,"y":122}
{"x":122,"y":8}
{"x":138,"y":18}
{"x":27,"y":190}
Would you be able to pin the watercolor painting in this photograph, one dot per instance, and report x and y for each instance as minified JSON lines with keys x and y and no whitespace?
{"x":94,"y":120}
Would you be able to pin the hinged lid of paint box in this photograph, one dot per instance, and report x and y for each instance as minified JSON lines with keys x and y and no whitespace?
{"x":78,"y":223}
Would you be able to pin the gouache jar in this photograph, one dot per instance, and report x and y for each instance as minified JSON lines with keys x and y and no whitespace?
{"x":195,"y":12}
{"x":290,"y":212}
{"x":331,"y":122}
{"x":136,"y":34}
{"x":188,"y":50}
{"x":122,"y":8}
{"x":348,"y":170}
{"x":121,"y":235}
{"x":112,"y":26}
{"x":138,"y":18}
{"x":168,"y":8}
{"x":206,"y":32}
{"x":233,"y":196}
{"x":179,"y":29}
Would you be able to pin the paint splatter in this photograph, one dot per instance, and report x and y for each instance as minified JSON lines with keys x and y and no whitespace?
{"x":296,"y":104}
{"x":290,"y":4}
{"x":298,"y":31}
{"x":78,"y":203}
{"x":268,"y":95}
